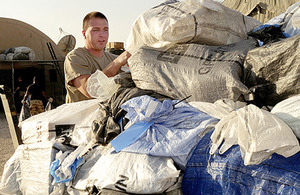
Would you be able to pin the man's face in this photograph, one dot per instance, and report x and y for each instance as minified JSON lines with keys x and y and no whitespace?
{"x":96,"y":35}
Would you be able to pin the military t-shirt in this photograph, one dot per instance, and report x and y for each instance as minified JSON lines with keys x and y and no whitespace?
{"x":80,"y":62}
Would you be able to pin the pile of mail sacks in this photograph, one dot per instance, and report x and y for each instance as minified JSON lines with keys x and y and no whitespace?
{"x":202,"y":78}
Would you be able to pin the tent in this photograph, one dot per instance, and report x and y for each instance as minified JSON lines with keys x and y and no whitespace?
{"x":262,"y":10}
{"x":48,"y":61}
{"x":15,"y":33}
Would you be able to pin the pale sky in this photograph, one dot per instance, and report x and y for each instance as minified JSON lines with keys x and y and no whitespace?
{"x":50,"y":16}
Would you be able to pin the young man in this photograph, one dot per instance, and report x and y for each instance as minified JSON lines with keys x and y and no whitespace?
{"x":84,"y":61}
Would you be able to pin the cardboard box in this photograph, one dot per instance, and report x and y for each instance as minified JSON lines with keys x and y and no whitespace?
{"x":115,"y":45}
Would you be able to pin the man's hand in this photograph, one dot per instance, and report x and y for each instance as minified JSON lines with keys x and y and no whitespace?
{"x":113,"y":68}
{"x":122,"y":59}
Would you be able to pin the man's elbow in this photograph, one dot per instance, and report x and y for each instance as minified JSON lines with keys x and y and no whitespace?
{"x":81,"y":84}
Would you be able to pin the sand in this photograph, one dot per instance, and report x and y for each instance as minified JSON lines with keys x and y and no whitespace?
{"x":6,"y":146}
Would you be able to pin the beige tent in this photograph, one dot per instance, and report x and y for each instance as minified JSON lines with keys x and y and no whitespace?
{"x":262,"y":10}
{"x":15,"y":33}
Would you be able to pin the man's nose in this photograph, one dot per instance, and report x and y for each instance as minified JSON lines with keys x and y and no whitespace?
{"x":101,"y":33}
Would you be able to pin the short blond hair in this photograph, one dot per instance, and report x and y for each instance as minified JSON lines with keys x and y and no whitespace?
{"x":94,"y":14}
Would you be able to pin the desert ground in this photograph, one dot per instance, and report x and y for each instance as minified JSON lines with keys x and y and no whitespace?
{"x":6,"y":146}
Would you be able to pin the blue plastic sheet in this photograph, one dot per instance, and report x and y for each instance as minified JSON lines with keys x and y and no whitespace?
{"x":130,"y":135}
{"x":227,"y":174}
{"x":56,"y":164}
{"x":175,"y":130}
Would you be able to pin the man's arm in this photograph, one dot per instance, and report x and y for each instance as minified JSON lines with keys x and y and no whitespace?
{"x":80,"y":83}
{"x":111,"y":70}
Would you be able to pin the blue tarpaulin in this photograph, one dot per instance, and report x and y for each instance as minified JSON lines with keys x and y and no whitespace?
{"x":175,"y":130}
{"x":227,"y":174}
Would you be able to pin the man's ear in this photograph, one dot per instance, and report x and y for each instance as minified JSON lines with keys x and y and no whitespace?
{"x":83,"y":33}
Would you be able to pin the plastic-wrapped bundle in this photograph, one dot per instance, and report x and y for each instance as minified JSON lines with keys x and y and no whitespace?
{"x":65,"y":120}
{"x":189,"y":21}
{"x":208,"y":73}
{"x":133,"y":173}
{"x":28,"y":170}
{"x":288,"y":110}
{"x":273,"y":70}
{"x":258,"y":132}
{"x":172,"y":131}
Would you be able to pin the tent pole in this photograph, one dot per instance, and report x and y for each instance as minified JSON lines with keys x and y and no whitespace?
{"x":13,"y":80}
{"x":11,"y":115}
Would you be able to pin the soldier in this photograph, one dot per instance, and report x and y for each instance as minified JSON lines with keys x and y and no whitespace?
{"x":84,"y":61}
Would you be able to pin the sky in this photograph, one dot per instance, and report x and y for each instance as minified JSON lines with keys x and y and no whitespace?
{"x":51,"y":16}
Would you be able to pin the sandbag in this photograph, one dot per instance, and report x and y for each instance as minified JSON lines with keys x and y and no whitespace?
{"x":193,"y":21}
{"x":24,"y":50}
{"x":9,"y":50}
{"x":273,"y":71}
{"x":10,"y":56}
{"x":19,"y":53}
{"x":2,"y":57}
{"x":208,"y":73}
{"x":20,"y":56}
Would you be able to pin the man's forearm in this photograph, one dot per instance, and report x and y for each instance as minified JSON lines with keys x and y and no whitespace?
{"x":112,"y":69}
{"x":81,"y":83}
